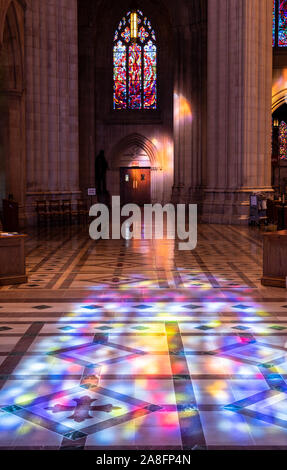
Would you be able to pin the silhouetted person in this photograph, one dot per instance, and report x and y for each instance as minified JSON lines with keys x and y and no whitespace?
{"x":101,"y":167}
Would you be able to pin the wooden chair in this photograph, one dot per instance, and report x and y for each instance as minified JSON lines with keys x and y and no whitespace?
{"x":42,"y":213}
{"x":81,"y":211}
{"x":67,"y":211}
{"x":55,"y":212}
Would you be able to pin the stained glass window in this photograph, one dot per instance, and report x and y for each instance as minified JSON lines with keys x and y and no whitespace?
{"x":282,"y":27}
{"x":135,"y":65}
{"x":283,"y":140}
{"x":280,"y":23}
{"x":274,"y":23}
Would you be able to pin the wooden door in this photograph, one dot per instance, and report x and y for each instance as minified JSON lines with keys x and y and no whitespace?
{"x":135,"y":186}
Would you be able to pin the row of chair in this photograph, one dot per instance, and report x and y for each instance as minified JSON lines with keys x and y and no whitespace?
{"x":57,"y":212}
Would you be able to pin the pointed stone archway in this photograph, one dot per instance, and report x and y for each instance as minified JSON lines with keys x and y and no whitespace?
{"x":136,"y":150}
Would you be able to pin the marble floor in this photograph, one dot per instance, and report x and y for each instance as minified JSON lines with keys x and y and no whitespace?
{"x":136,"y":345}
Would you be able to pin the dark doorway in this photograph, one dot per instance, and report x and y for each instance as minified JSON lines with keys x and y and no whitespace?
{"x":135,"y":186}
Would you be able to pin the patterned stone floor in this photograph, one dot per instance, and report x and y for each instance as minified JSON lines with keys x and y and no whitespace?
{"x":132,"y":345}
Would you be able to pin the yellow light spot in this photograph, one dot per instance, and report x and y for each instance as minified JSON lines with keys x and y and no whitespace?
{"x":25,"y":399}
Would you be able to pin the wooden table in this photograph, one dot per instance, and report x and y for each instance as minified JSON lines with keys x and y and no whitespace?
{"x":275,"y":259}
{"x":12,"y":259}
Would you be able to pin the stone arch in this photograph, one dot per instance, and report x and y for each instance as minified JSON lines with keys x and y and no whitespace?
{"x":100,"y":125}
{"x":136,"y":141}
{"x":278,"y":99}
{"x":12,"y":51}
{"x":4,"y":8}
{"x":143,"y":149}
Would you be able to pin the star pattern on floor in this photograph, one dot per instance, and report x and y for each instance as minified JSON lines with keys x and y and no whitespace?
{"x":141,"y":346}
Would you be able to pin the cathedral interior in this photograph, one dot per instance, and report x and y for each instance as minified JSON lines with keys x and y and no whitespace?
{"x":132,"y":343}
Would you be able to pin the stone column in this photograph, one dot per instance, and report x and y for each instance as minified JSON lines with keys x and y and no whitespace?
{"x":12,"y":102}
{"x":182,"y":114}
{"x":87,"y":126}
{"x":198,"y":92}
{"x":52,"y":101}
{"x":239,"y":107}
{"x":189,"y":104}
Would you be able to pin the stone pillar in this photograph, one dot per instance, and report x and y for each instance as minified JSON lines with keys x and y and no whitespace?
{"x":52,"y":101}
{"x":12,"y":103}
{"x":239,"y":107}
{"x":189,"y":105}
{"x":182,"y":114}
{"x":87,"y":126}
{"x":16,"y":155}
{"x":198,"y":99}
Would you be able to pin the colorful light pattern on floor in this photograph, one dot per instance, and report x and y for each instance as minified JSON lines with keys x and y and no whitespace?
{"x":199,"y":366}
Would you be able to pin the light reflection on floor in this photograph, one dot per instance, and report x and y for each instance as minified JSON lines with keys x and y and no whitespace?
{"x":160,"y":350}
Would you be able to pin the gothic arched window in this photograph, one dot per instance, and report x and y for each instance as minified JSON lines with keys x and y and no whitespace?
{"x":283,"y":140}
{"x":280,"y":23}
{"x":135,"y":65}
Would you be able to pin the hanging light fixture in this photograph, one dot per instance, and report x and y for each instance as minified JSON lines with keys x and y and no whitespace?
{"x":134,"y":25}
